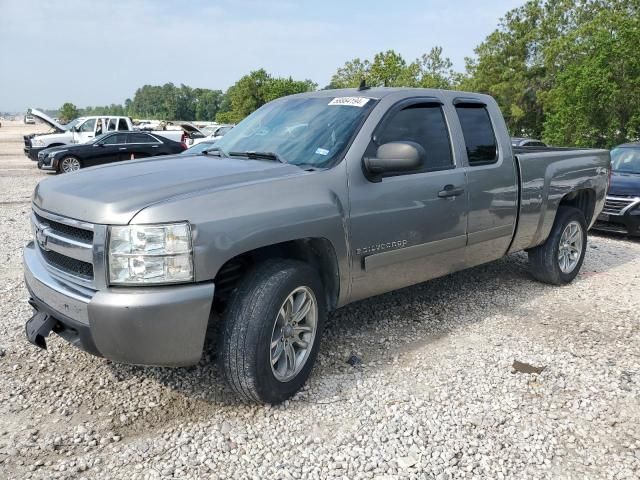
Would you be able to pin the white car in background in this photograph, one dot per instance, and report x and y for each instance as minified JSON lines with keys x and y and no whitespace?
{"x":213,"y":133}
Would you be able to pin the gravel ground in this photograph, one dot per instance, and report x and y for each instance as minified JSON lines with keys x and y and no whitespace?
{"x":432,"y":392}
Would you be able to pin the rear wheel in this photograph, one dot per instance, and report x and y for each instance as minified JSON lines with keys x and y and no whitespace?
{"x":559,"y":259}
{"x":272,"y":330}
{"x":69,"y":164}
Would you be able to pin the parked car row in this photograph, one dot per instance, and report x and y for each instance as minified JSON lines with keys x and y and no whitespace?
{"x":107,"y":148}
{"x":63,"y":138}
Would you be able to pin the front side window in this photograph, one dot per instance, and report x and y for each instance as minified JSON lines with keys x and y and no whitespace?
{"x":122,"y":124}
{"x":424,"y":124}
{"x":113,"y":122}
{"x":478,"y":134}
{"x":88,"y":126}
{"x":141,"y":138}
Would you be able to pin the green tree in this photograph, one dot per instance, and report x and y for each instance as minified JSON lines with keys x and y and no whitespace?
{"x":350,"y":74}
{"x":68,"y":112}
{"x":390,"y":69}
{"x":435,"y":71}
{"x":595,"y":98}
{"x":254,"y":90}
{"x":509,"y":66}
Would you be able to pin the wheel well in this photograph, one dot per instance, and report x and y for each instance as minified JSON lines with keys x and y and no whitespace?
{"x":584,"y":200}
{"x":317,"y":252}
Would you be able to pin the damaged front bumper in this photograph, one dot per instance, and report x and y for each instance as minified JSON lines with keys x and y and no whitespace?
{"x":163,"y":325}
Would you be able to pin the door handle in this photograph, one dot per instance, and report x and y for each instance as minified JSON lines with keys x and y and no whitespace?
{"x":450,"y":191}
{"x":122,"y":148}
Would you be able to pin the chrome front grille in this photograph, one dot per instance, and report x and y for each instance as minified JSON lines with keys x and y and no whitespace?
{"x":72,"y":250}
{"x":75,"y":233}
{"x":619,"y":205}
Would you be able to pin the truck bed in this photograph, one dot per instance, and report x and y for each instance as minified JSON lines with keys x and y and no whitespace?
{"x":546,"y":175}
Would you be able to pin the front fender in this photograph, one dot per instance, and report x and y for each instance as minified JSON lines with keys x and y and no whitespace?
{"x":230,"y":222}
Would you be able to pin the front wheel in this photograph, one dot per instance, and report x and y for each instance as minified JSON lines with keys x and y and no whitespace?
{"x":69,"y":164}
{"x":272,"y":330}
{"x":558,"y":260}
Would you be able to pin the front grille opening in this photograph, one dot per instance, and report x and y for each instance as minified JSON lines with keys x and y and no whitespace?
{"x":68,"y":265}
{"x":75,"y":233}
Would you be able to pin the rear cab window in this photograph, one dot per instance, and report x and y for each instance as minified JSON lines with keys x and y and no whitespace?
{"x":477,"y":130}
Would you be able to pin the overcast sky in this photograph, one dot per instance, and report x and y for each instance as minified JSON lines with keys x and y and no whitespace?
{"x":98,"y":52}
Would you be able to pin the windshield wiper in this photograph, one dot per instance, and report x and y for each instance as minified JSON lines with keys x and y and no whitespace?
{"x":258,"y":156}
{"x":217,"y":151}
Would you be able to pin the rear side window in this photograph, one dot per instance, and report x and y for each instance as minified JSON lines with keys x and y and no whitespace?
{"x":122,"y":124}
{"x":141,"y":138}
{"x":112,"y":124}
{"x":478,"y":134}
{"x":115,"y":139}
{"x":422,"y":123}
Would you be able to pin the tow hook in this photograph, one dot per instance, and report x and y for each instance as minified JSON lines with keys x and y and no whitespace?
{"x":38,"y":327}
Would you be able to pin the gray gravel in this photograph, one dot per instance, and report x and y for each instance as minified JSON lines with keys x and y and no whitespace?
{"x":431,"y":390}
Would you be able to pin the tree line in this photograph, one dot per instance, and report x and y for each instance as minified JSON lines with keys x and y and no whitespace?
{"x":564,"y":71}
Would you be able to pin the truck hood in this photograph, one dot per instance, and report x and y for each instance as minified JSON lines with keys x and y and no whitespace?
{"x":113,"y":194}
{"x":48,"y":120}
{"x":625,"y":184}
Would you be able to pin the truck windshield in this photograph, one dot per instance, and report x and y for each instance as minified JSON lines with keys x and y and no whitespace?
{"x":625,"y":160}
{"x":311,"y":131}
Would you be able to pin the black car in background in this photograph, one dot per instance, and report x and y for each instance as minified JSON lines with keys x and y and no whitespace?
{"x":107,"y":148}
{"x":526,"y":142}
{"x":621,"y":213}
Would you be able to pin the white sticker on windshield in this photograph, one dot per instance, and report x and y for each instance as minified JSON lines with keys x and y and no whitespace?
{"x":350,"y":101}
{"x":322,"y":151}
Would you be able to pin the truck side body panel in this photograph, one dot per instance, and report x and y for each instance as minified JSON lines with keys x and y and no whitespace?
{"x":546,"y":178}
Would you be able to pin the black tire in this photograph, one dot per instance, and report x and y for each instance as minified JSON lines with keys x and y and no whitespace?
{"x":248,"y":323}
{"x":543,"y":260}
{"x":60,"y":170}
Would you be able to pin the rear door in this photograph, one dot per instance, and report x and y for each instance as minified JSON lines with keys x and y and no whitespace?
{"x":409,"y":228}
{"x":491,"y":180}
{"x":142,"y":145}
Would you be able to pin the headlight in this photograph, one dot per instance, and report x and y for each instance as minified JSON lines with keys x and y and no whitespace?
{"x":37,"y":142}
{"x":53,"y":154}
{"x":143,"y":254}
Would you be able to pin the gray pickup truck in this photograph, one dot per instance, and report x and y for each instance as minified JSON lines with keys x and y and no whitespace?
{"x":312,"y":202}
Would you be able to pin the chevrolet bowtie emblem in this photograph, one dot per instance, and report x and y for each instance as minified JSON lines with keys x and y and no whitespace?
{"x":41,"y":237}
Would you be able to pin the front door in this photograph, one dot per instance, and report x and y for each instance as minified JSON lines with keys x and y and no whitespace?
{"x":108,"y":150}
{"x":86,"y":130}
{"x":409,"y":228}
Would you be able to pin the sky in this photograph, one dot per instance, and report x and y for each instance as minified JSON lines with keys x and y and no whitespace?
{"x":99,"y":52}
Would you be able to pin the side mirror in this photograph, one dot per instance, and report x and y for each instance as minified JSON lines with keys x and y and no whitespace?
{"x":395,"y":158}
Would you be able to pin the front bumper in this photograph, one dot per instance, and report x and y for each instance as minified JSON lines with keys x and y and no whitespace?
{"x":32,"y":152}
{"x":163,"y":325}
{"x":46,"y":163}
{"x":627,"y":224}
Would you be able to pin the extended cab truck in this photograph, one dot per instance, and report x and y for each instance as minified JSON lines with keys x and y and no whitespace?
{"x":313,"y":201}
{"x":85,"y":129}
